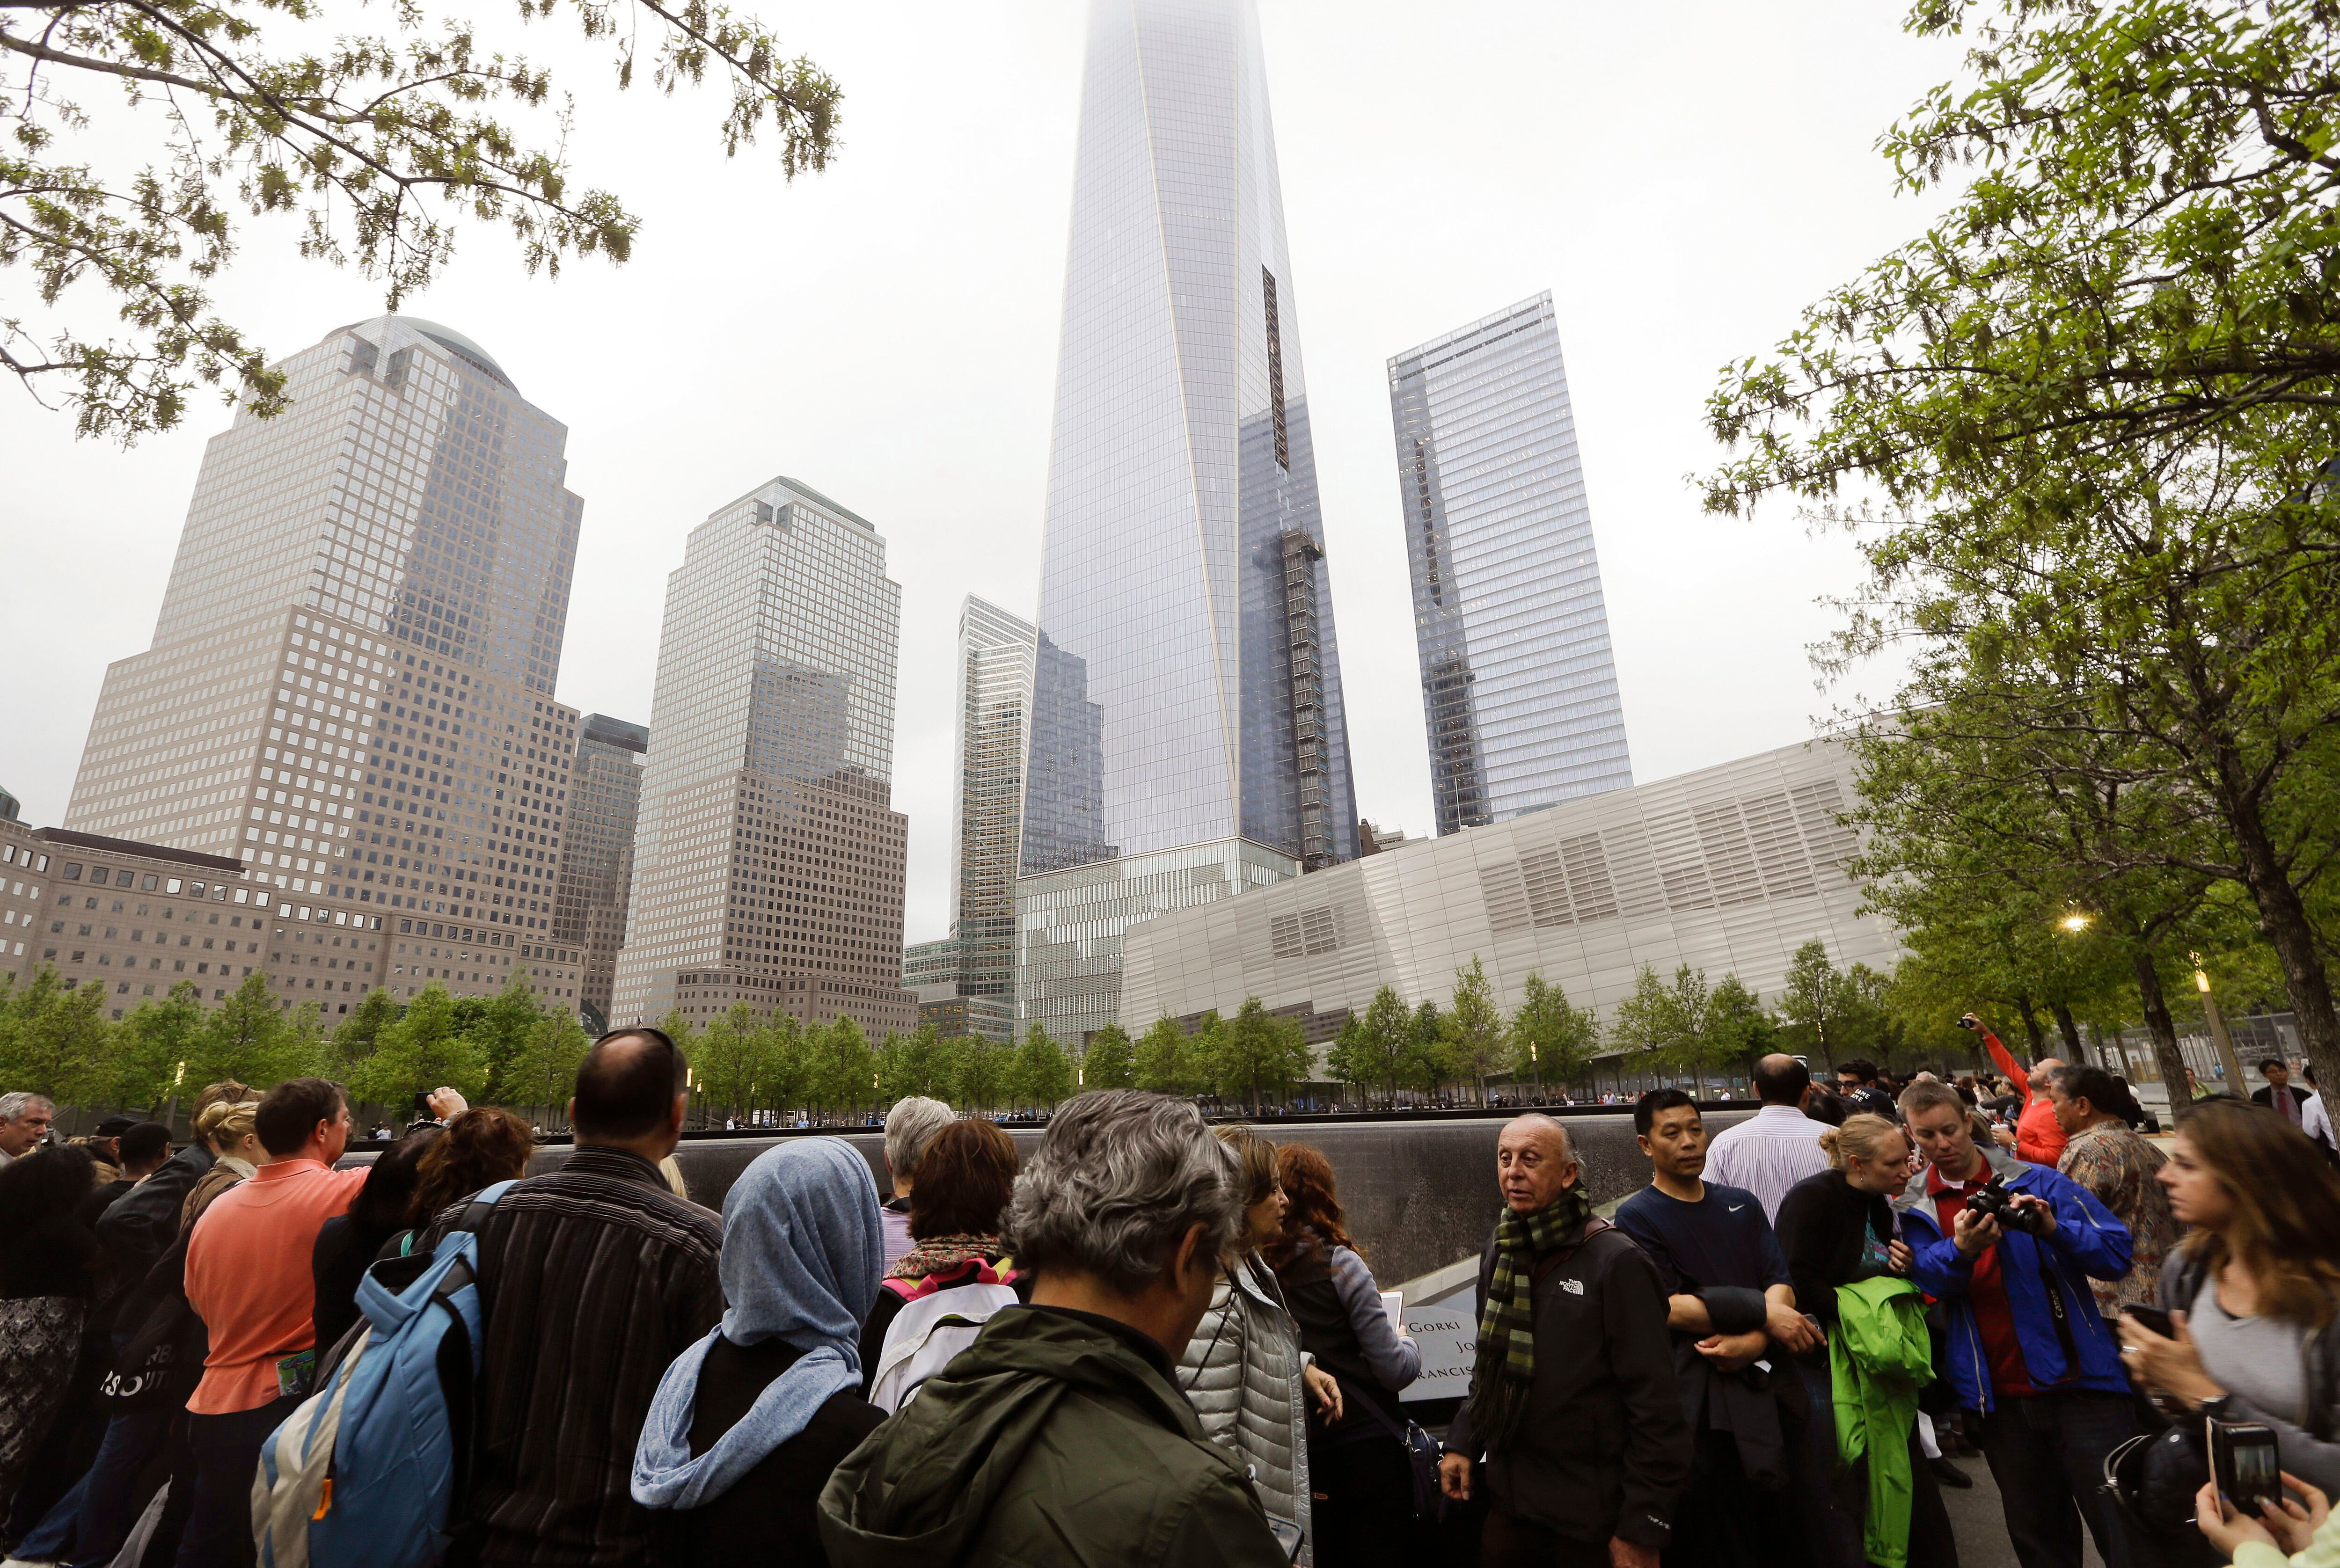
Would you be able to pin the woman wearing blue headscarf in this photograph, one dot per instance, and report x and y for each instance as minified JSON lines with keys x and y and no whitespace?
{"x":748,"y":1422}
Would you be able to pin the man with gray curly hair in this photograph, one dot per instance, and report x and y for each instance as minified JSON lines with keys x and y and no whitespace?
{"x":1059,"y":1437}
{"x":25,"y":1121}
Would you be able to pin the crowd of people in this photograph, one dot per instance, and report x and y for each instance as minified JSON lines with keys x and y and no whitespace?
{"x":1154,"y":1341}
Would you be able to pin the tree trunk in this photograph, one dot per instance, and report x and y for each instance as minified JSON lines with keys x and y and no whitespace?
{"x":2161,"y":1026}
{"x":2031,"y":1027}
{"x":2283,"y":916}
{"x":2077,"y":1053}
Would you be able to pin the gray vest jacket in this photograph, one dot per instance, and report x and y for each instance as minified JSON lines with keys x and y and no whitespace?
{"x":1241,"y":1373}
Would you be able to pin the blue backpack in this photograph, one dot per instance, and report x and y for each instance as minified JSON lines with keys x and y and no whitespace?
{"x":372,"y":1467}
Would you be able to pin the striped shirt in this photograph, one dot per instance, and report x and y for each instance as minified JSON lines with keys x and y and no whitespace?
{"x":596,"y":1278}
{"x":1767,"y":1154}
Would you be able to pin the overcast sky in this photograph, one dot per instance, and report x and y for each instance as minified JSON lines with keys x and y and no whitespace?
{"x":1683,"y":176}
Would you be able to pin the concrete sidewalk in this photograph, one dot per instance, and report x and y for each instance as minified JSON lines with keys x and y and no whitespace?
{"x":1980,"y":1528}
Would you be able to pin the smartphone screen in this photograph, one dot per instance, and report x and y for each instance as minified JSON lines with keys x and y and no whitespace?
{"x":2244,"y":1459}
{"x":2154,"y":1318}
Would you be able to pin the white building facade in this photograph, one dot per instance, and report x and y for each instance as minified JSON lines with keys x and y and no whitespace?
{"x":1728,"y":869}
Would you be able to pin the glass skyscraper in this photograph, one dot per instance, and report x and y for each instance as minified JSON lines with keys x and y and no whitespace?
{"x":351,"y":683}
{"x":1187,"y":732}
{"x":1519,"y":689}
{"x":769,"y":858}
{"x":596,"y":874}
{"x":994,"y":698}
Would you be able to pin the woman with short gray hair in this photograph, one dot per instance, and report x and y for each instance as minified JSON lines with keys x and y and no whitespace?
{"x":910,"y":1126}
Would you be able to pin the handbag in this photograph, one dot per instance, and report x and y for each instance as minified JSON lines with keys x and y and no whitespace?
{"x":1422,"y":1453}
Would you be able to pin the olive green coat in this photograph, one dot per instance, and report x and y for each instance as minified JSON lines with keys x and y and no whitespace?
{"x":1049,"y":1443}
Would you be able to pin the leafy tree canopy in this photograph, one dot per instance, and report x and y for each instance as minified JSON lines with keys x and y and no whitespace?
{"x":380,"y":146}
{"x":1110,"y":1062}
{"x":2087,"y":426}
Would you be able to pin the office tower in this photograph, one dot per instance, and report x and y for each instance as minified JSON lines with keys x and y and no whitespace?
{"x":596,"y":864}
{"x":1519,"y":691}
{"x":136,"y":920}
{"x":994,"y":695}
{"x":1187,"y":734}
{"x":768,"y":861}
{"x":351,"y":683}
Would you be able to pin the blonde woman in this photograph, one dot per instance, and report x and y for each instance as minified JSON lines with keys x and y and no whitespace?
{"x":1837,"y":1228}
{"x":231,"y":1130}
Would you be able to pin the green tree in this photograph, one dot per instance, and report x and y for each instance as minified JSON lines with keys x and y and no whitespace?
{"x":1992,"y":853}
{"x":921,"y":1062}
{"x":1349,"y":1059}
{"x":2088,"y":416}
{"x":1738,"y":1028}
{"x":1110,"y":1062}
{"x":1422,"y":1064}
{"x":500,"y":1026}
{"x":786,"y":1054}
{"x":54,"y":1039}
{"x":421,"y":1052}
{"x":1813,"y":1000}
{"x":544,"y":1074}
{"x":1165,"y":1059}
{"x":359,"y":1035}
{"x":1256,"y":1050}
{"x":724,"y":1071}
{"x":984,"y":1071}
{"x":678,"y":1027}
{"x":1552,"y":1039}
{"x":149,"y":1045}
{"x":844,"y":1067}
{"x":1472,"y":1032}
{"x":1043,"y":1073}
{"x":1664,"y":1024}
{"x":1384,"y":1041}
{"x":305,"y":1051}
{"x":377,"y":147}
{"x":247,"y":1037}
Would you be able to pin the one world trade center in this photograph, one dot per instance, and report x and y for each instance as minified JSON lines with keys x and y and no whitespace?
{"x":1187,"y":737}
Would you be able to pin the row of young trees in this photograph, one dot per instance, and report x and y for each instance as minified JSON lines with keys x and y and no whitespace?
{"x":1684,"y":1025}
{"x":745,"y":1063}
{"x":509,"y":1049}
{"x":61,"y":1041}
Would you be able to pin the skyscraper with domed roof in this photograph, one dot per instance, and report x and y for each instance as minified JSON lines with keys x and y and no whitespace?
{"x":350,"y":685}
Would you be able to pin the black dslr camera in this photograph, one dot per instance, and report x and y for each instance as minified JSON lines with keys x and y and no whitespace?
{"x":1996,"y":1202}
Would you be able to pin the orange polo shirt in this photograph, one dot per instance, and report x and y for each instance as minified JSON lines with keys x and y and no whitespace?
{"x":249,"y":1277}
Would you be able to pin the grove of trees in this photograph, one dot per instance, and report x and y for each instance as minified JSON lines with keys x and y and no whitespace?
{"x":2086,"y":431}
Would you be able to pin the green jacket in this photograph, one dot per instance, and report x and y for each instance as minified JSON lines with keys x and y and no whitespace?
{"x":1879,"y":1358}
{"x":1051,"y":1442}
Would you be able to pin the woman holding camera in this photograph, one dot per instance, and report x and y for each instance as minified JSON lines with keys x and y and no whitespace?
{"x":2253,"y":1293}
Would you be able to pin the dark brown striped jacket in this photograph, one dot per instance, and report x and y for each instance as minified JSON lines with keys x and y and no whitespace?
{"x":596,"y":1278}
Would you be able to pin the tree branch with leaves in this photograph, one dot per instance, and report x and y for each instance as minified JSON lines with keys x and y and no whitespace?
{"x":380,"y":147}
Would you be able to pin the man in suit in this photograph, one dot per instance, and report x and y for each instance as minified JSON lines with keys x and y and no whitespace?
{"x":2282,"y":1096}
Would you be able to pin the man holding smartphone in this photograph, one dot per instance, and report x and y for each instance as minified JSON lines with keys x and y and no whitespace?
{"x":2029,"y":1350}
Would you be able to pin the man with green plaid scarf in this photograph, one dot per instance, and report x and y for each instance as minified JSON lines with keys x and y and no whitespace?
{"x":1575,"y":1414}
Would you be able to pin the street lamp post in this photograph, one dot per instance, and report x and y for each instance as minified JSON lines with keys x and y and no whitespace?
{"x":2218,"y":1020}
